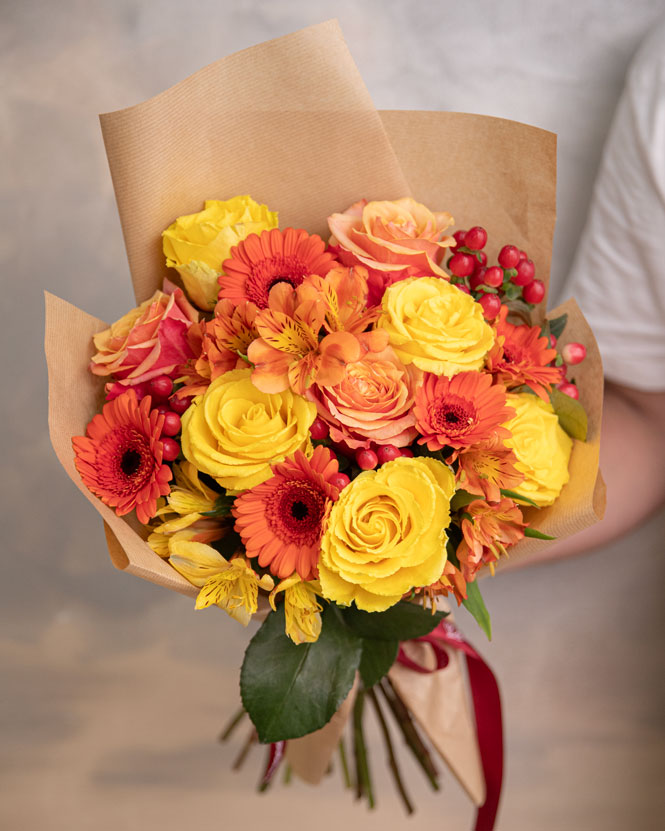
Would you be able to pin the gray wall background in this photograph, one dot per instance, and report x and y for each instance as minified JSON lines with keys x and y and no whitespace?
{"x":113,"y":690}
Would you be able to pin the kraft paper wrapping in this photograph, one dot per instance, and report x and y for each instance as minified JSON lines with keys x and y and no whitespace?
{"x":290,"y":122}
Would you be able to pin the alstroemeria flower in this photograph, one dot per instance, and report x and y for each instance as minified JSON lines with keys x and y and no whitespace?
{"x":302,"y":611}
{"x":488,"y":529}
{"x":230,"y":584}
{"x":288,"y":352}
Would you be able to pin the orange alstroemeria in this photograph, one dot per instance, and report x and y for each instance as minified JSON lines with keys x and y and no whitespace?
{"x":288,"y":352}
{"x":218,"y":345}
{"x":488,"y":529}
{"x":486,"y":468}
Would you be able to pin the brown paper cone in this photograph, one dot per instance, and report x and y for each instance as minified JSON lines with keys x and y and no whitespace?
{"x":291,"y":123}
{"x":440,"y":704}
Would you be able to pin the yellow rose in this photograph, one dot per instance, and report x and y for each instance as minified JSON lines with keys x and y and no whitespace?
{"x":196,"y":245}
{"x":234,"y":432}
{"x":387,"y":533}
{"x":435,"y":326}
{"x":541,"y":446}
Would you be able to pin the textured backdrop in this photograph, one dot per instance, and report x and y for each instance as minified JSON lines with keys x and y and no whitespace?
{"x":113,"y":690}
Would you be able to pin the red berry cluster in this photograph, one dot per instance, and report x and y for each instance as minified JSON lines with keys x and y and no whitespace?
{"x":513,"y":278}
{"x":160,"y":390}
{"x":572,"y":354}
{"x":365,"y":459}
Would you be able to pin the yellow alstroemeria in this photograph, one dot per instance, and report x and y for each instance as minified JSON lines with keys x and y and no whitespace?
{"x":232,"y":585}
{"x":301,"y":608}
{"x":190,"y":495}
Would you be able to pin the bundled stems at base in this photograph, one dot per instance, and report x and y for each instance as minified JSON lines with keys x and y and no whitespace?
{"x":408,"y":728}
{"x":251,"y":739}
{"x":344,"y":764}
{"x":392,"y":759}
{"x":231,"y":726}
{"x":363,"y":780}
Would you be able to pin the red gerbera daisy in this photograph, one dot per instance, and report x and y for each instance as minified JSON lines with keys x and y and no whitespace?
{"x":260,"y":261}
{"x":520,"y":356}
{"x":120,"y":459}
{"x":281,"y":520}
{"x":460,"y":411}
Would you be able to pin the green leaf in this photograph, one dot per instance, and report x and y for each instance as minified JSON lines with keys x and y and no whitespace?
{"x":290,"y":690}
{"x":511,"y":291}
{"x":475,"y":604}
{"x":377,"y":658}
{"x":538,"y":535}
{"x":223,"y":505}
{"x":402,"y":622}
{"x":461,"y":499}
{"x":558,"y":324}
{"x":518,"y":497}
{"x":571,"y":414}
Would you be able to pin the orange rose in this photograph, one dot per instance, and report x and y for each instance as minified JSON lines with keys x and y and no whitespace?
{"x":393,"y":240}
{"x":372,"y":403}
{"x":150,"y":340}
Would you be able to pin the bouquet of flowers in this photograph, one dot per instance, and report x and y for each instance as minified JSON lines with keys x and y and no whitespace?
{"x":328,"y":431}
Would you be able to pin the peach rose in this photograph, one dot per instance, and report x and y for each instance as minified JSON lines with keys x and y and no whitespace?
{"x":150,"y":340}
{"x":372,"y":403}
{"x":393,"y":240}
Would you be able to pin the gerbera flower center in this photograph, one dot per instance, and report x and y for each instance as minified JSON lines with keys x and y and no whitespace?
{"x":453,"y":417}
{"x":269,"y":273}
{"x":130,"y":462}
{"x":295,"y":511}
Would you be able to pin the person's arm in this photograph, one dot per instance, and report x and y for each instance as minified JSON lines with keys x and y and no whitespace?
{"x":632,"y":461}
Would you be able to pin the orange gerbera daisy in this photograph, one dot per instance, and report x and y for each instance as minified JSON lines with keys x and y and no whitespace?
{"x":260,"y":261}
{"x":281,"y":520}
{"x":460,"y":411}
{"x":217,"y":345}
{"x":487,"y":468}
{"x":488,"y":529}
{"x":120,"y":459}
{"x":520,"y":355}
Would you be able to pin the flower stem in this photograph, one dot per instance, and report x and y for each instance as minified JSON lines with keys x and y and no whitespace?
{"x":392,"y":759}
{"x":245,"y":750}
{"x":345,"y":764}
{"x":363,"y":780}
{"x":408,"y":728}
{"x":231,"y":726}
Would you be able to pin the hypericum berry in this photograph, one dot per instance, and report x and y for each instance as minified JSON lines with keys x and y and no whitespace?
{"x":170,"y":449}
{"x":553,"y":340}
{"x":494,"y":277}
{"x":534,"y":292}
{"x":366,"y":459}
{"x":407,"y":452}
{"x":569,"y":389}
{"x":160,"y":387}
{"x":477,"y":278}
{"x":171,"y":424}
{"x":463,"y":287}
{"x":339,"y":480}
{"x":509,"y":256}
{"x":475,"y":238}
{"x":491,"y":305}
{"x":525,"y":273}
{"x":523,"y":255}
{"x":459,"y":238}
{"x":573,"y":353}
{"x":163,"y":409}
{"x":388,"y":452}
{"x":180,"y":405}
{"x":319,"y":429}
{"x":483,"y":259}
{"x":462,"y":265}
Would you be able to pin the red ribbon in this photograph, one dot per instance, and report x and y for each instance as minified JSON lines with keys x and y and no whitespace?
{"x":487,"y":708}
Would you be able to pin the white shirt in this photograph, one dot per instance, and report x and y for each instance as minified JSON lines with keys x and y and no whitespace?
{"x":618,"y":276}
